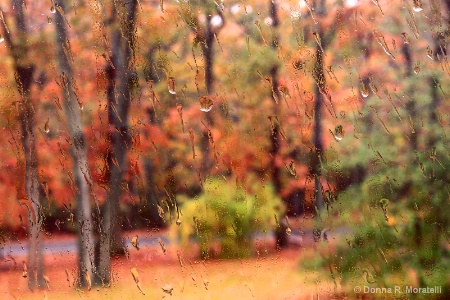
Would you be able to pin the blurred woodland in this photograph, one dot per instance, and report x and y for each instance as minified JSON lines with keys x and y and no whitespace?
{"x":228,"y":119}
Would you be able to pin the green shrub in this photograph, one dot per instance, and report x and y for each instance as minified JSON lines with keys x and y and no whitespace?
{"x":226,"y":215}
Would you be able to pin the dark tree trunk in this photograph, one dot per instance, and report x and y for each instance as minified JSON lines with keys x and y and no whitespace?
{"x":151,"y":195}
{"x":411,"y":105}
{"x":118,"y":94}
{"x":280,"y":232}
{"x":78,"y":151}
{"x":24,"y":71}
{"x":319,"y":77}
{"x":208,"y":56}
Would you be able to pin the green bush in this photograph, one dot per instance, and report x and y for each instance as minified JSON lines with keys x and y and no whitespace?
{"x":226,"y":215}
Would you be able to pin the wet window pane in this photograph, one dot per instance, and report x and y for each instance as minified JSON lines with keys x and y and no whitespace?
{"x":224,"y":149}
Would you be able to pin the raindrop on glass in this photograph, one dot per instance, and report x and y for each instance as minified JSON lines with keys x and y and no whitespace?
{"x":292,"y":169}
{"x":135,"y":242}
{"x":417,"y":6}
{"x":171,"y":85}
{"x":47,"y":281}
{"x":168,"y":288}
{"x":430,"y":53}
{"x":364,"y":90}
{"x":284,"y":91}
{"x":46,"y":126}
{"x":24,"y":270}
{"x":53,"y":9}
{"x":206,"y":103}
{"x":339,"y":133}
{"x":135,"y":275}
{"x":417,"y":68}
{"x":405,"y":38}
{"x":161,"y":243}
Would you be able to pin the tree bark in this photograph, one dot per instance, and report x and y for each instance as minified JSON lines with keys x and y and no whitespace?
{"x":24,"y":71}
{"x":151,"y":195}
{"x":78,"y":151}
{"x":208,"y":56}
{"x":118,"y":96}
{"x":280,"y":232}
{"x":319,"y":77}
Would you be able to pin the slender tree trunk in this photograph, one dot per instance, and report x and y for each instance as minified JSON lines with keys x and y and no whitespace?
{"x":118,"y":94}
{"x":35,"y":259}
{"x":319,"y":77}
{"x":151,"y":196}
{"x":78,"y":150}
{"x":411,"y":109}
{"x":280,"y":233}
{"x":208,"y":56}
{"x":208,"y":53}
{"x":24,"y":71}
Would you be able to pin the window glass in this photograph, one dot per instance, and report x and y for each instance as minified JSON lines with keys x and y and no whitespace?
{"x":202,"y":149}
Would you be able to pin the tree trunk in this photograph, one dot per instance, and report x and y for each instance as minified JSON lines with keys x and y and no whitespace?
{"x":118,"y":94}
{"x":24,"y":70}
{"x":280,"y":232}
{"x":35,"y":259}
{"x":78,"y":151}
{"x":208,"y":56}
{"x":319,"y":77}
{"x":150,"y":194}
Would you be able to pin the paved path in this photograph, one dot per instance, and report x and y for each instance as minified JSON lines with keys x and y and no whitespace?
{"x":68,"y":245}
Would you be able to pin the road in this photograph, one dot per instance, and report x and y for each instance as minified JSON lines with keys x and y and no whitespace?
{"x":69,"y":245}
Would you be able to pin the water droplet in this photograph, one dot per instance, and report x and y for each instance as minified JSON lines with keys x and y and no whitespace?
{"x":417,"y":6}
{"x":364,"y":90}
{"x":53,"y":9}
{"x":179,"y":258}
{"x":417,"y":68}
{"x":24,"y":270}
{"x":47,"y":281}
{"x":339,"y":133}
{"x":135,"y":275}
{"x":135,"y":242}
{"x":291,"y":168}
{"x":167,"y":288}
{"x":49,"y":20}
{"x":206,"y":103}
{"x":373,"y":87}
{"x":298,"y":65}
{"x":171,"y":85}
{"x":46,"y":126}
{"x":2,"y":39}
{"x":161,"y":243}
{"x":380,"y":39}
{"x":284,"y":91}
{"x":87,"y":277}
{"x":178,"y":222}
{"x":405,"y":38}
{"x":430,"y":53}
{"x":288,"y":231}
